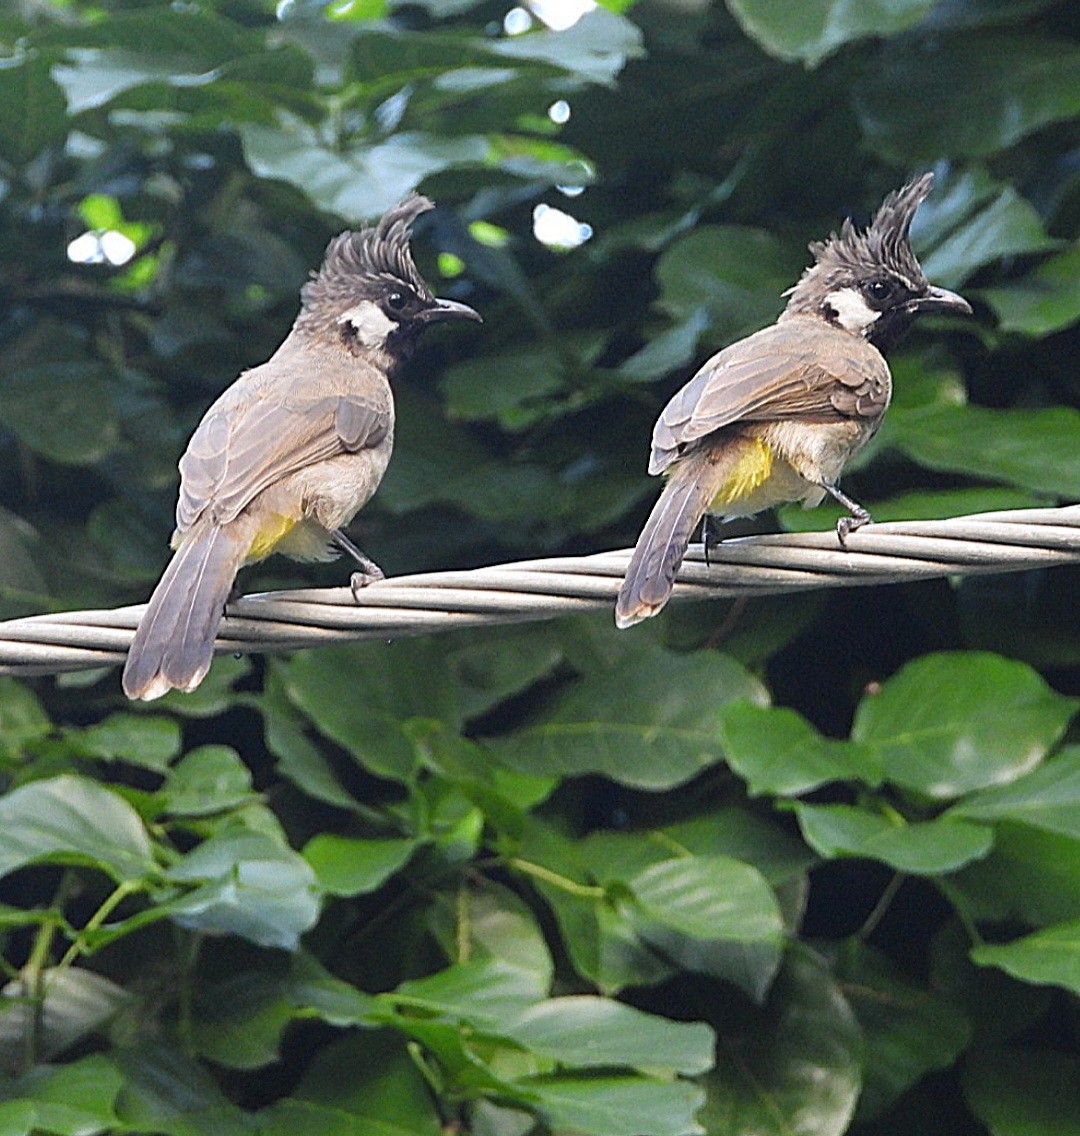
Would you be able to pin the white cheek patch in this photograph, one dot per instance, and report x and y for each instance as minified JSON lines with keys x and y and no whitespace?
{"x":371,"y":324}
{"x":852,"y":311}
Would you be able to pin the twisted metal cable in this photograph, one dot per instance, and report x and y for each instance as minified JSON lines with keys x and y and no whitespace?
{"x":542,"y":589}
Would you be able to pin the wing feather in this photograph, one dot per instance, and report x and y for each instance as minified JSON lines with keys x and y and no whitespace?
{"x":238,"y":451}
{"x":793,"y":369}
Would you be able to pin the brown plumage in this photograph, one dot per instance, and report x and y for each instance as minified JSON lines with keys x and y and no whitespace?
{"x":293,"y":449}
{"x":776,"y":416}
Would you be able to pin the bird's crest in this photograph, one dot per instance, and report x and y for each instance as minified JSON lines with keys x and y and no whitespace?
{"x":377,"y":254}
{"x":884,"y":243}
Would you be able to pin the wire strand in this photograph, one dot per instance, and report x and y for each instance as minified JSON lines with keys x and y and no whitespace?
{"x":530,"y":590}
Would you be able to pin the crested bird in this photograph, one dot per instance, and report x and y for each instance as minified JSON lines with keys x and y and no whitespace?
{"x":775,"y":417}
{"x":290,"y":452}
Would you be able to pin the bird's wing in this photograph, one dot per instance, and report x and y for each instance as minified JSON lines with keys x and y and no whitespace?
{"x":239,"y":450}
{"x":782,"y":372}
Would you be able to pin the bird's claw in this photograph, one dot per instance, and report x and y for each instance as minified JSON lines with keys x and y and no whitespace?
{"x":360,"y":580}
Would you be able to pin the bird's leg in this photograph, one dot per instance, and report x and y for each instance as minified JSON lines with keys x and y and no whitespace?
{"x":369,"y":570}
{"x":859,"y":516}
{"x":706,"y":535}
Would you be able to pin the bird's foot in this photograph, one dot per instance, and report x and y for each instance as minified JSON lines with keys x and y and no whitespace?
{"x":360,"y":580}
{"x":846,"y":525}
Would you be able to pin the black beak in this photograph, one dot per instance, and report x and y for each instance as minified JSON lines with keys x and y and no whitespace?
{"x":942,"y":300}
{"x":448,"y":309}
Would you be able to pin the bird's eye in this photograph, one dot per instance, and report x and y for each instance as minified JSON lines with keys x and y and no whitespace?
{"x":396,"y":301}
{"x":879,"y":290}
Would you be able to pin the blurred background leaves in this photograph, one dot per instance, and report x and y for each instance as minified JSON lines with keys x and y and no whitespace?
{"x":799,"y":864}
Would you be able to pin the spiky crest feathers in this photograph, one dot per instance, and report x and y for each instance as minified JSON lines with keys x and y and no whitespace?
{"x":373,"y":256}
{"x":883,"y":244}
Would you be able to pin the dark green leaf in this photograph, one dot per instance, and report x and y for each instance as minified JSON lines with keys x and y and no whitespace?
{"x":774,"y":750}
{"x":73,"y":820}
{"x":1006,"y":445}
{"x":63,"y":411}
{"x":652,"y":720}
{"x":1047,"y":798}
{"x":1046,"y":300}
{"x":347,"y":866}
{"x":138,"y":739}
{"x":484,"y":993}
{"x":32,"y":112}
{"x":908,"y":1028}
{"x":950,"y":723}
{"x":813,"y":29}
{"x":247,"y":884}
{"x":1024,"y":1092}
{"x":1012,"y":84}
{"x":796,"y":1071}
{"x":78,"y":1099}
{"x":360,"y":695}
{"x":207,"y":780}
{"x":928,"y":847}
{"x":22,"y":719}
{"x":1049,"y":956}
{"x":736,"y":274}
{"x":613,"y":1106}
{"x":587,"y":1031}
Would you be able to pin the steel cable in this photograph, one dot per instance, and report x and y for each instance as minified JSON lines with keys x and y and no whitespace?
{"x":530,"y":590}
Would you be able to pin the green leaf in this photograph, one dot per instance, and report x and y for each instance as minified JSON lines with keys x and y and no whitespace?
{"x":1047,"y":798}
{"x":1047,"y":957}
{"x":613,"y":1106}
{"x":523,"y":394}
{"x":166,"y":1091}
{"x":711,"y":915}
{"x":1006,"y":445}
{"x":151,"y":741}
{"x":586,"y":1031}
{"x":595,"y":48}
{"x":361,"y":694}
{"x":248,"y":884}
{"x":32,"y":111}
{"x":1032,"y":877}
{"x":735,"y":274}
{"x":1024,"y":1092}
{"x":67,"y":1100}
{"x":1046,"y":300}
{"x":63,"y":411}
{"x":209,"y":779}
{"x":1008,"y":226}
{"x":796,"y":1071}
{"x":909,"y":1029}
{"x":651,"y":721}
{"x":774,"y":750}
{"x":484,"y":993}
{"x":1012,"y":84}
{"x":922,"y":848}
{"x":23,"y":721}
{"x":359,"y":183}
{"x":384,"y":1093}
{"x":949,"y":723}
{"x":347,"y":866}
{"x":72,"y":820}
{"x":813,"y":29}
{"x":75,"y":1003}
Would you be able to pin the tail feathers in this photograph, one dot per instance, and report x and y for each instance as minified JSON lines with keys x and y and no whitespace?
{"x":655,"y":561}
{"x":174,"y":643}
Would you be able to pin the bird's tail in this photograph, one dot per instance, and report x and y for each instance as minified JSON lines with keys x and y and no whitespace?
{"x":174,"y":642}
{"x":650,"y":575}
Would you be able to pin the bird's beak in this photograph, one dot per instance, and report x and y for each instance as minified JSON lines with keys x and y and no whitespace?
{"x":448,"y":309}
{"x":942,"y":300}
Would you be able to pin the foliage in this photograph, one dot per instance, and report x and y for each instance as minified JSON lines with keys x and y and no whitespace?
{"x":807,"y":864}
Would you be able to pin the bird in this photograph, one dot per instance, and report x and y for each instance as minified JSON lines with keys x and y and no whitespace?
{"x":775,"y":417}
{"x":289,"y":453}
